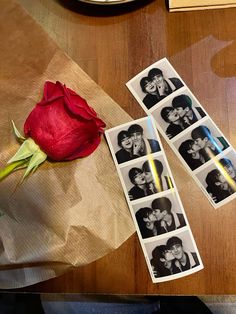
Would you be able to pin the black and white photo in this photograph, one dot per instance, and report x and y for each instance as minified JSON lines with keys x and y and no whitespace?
{"x":180,"y":118}
{"x":157,"y":86}
{"x":146,"y":177}
{"x":150,"y":190}
{"x":219,"y":178}
{"x":173,"y":256}
{"x":201,"y":144}
{"x":154,"y":84}
{"x":134,"y":140}
{"x":159,"y":215}
{"x":178,"y":113}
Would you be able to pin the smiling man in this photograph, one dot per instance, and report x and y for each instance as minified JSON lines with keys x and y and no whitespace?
{"x":168,"y":219}
{"x":183,"y":260}
{"x":142,"y":145}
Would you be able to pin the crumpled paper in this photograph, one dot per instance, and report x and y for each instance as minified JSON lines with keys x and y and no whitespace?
{"x":68,"y":213}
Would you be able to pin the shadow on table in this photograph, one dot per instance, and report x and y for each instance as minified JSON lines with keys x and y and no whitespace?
{"x":102,"y":10}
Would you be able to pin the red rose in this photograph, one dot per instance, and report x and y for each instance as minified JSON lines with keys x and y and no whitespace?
{"x":62,"y":127}
{"x":63,"y":124}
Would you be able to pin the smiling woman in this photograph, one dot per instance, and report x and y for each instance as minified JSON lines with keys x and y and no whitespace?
{"x":149,"y":87}
{"x":126,"y":144}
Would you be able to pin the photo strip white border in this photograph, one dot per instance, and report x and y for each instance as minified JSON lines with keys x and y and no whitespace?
{"x":151,"y":240}
{"x":166,"y":66}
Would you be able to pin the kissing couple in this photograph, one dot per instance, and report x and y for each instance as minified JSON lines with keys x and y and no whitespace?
{"x":201,"y":147}
{"x":158,"y":219}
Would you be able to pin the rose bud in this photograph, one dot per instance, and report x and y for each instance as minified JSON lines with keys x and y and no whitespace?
{"x":62,"y":126}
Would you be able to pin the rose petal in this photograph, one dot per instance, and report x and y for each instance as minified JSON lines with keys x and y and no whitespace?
{"x":63,"y":124}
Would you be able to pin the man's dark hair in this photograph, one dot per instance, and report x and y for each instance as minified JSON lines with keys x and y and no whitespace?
{"x":183,"y":101}
{"x":158,"y":167}
{"x":134,"y":128}
{"x":226,"y":162}
{"x":162,"y":203}
{"x":201,"y":132}
{"x":153,"y":72}
{"x":172,"y":241}
{"x":133,"y":172}
{"x":165,"y":113}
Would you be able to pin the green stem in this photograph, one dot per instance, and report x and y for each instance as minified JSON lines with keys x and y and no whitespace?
{"x":4,"y":172}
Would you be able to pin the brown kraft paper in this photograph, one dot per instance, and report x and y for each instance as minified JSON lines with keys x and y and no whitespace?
{"x":67,"y":213}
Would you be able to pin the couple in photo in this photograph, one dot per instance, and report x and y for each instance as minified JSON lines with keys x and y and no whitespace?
{"x":156,"y":87}
{"x":133,"y":144}
{"x":180,"y":115}
{"x":158,"y":219}
{"x":172,"y":259}
{"x":221,"y":184}
{"x":148,"y":180}
{"x":201,"y":147}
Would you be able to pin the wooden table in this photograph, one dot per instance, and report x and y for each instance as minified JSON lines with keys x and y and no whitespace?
{"x":114,"y":44}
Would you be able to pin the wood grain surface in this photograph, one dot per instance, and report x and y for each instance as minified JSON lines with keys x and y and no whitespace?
{"x":114,"y":44}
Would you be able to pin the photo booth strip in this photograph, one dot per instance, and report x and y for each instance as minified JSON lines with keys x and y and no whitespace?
{"x":194,"y":137}
{"x":179,"y":232}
